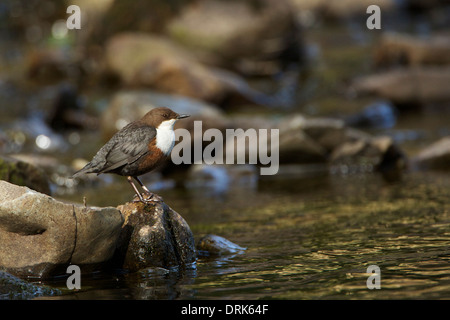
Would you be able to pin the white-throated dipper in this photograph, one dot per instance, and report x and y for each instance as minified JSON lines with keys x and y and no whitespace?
{"x":139,"y":147}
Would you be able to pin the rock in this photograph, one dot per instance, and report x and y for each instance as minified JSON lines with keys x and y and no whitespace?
{"x":368,"y":155}
{"x":23,"y":174}
{"x":213,"y":245}
{"x":113,"y":17}
{"x":41,"y":236}
{"x":315,"y":140}
{"x":155,"y":62}
{"x":13,"y":288}
{"x":47,"y":66}
{"x":340,"y":9}
{"x":293,"y":145}
{"x":326,"y":133}
{"x":97,"y":233}
{"x":253,"y":37}
{"x":297,"y":147}
{"x":418,"y":85}
{"x":154,"y":235}
{"x":395,"y":48}
{"x":436,"y":156}
{"x":380,"y":114}
{"x":393,"y":162}
{"x":310,"y":140}
{"x":343,"y":148}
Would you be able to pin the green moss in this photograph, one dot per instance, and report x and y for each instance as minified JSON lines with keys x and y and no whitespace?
{"x":23,"y":174}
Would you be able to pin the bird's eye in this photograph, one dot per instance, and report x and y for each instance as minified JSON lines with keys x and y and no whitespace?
{"x":165,"y":115}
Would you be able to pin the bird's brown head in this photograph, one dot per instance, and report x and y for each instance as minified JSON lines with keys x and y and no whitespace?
{"x":160,"y":115}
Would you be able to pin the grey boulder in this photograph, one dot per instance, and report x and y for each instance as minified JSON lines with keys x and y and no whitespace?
{"x":40,"y":236}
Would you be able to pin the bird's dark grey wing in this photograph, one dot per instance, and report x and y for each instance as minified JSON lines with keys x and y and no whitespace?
{"x":126,"y":147}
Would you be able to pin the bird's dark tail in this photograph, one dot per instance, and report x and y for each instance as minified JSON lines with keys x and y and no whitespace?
{"x":87,"y":169}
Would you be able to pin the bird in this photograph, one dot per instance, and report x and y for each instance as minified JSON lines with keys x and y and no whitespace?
{"x":138,"y":148}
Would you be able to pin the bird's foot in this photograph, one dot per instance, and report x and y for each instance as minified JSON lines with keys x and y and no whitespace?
{"x":147,"y":197}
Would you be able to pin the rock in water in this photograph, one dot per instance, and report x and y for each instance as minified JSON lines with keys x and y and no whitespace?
{"x":436,"y":156}
{"x":216,"y":245}
{"x":154,"y":235}
{"x":12,"y":287}
{"x":41,"y":236}
{"x":407,"y":86}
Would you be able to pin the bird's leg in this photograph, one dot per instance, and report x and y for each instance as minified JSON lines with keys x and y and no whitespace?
{"x":151,"y":196}
{"x":142,"y":185}
{"x":130,"y":180}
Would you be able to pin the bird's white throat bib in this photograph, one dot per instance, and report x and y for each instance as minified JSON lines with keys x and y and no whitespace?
{"x":165,"y":136}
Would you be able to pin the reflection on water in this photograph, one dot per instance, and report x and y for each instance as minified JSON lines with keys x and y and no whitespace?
{"x":307,"y":243}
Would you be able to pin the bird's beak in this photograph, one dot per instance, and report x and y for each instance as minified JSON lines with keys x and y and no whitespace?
{"x":182,"y":116}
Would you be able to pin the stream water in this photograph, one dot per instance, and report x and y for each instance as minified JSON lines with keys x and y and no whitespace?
{"x":305,"y":239}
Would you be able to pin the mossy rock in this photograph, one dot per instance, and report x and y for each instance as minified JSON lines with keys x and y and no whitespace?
{"x":24,"y":174}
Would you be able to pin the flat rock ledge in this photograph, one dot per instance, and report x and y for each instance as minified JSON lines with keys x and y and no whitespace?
{"x":41,"y":236}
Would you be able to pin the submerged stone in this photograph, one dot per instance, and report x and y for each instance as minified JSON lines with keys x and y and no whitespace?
{"x":12,"y":287}
{"x":216,"y":245}
{"x":436,"y":156}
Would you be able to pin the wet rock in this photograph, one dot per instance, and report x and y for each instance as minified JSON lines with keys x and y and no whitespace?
{"x":368,"y":155}
{"x":23,"y":174}
{"x":393,"y":162}
{"x":340,"y":9}
{"x":293,"y":145}
{"x":343,"y":148}
{"x":380,"y":114}
{"x":41,"y":236}
{"x":436,"y":156}
{"x":113,"y":17}
{"x":253,"y":37}
{"x":153,"y":235}
{"x":13,"y":288}
{"x":310,"y":140}
{"x":326,"y":133}
{"x":395,"y":48}
{"x":213,"y":245}
{"x":47,"y":66}
{"x":154,"y":62}
{"x":297,"y":147}
{"x":316,"y":140}
{"x":407,"y":86}
{"x":43,"y":161}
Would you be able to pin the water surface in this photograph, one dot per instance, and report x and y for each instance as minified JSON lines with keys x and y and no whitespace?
{"x":306,"y":242}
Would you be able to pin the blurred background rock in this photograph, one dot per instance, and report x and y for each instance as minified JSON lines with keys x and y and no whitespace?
{"x":242,"y":63}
